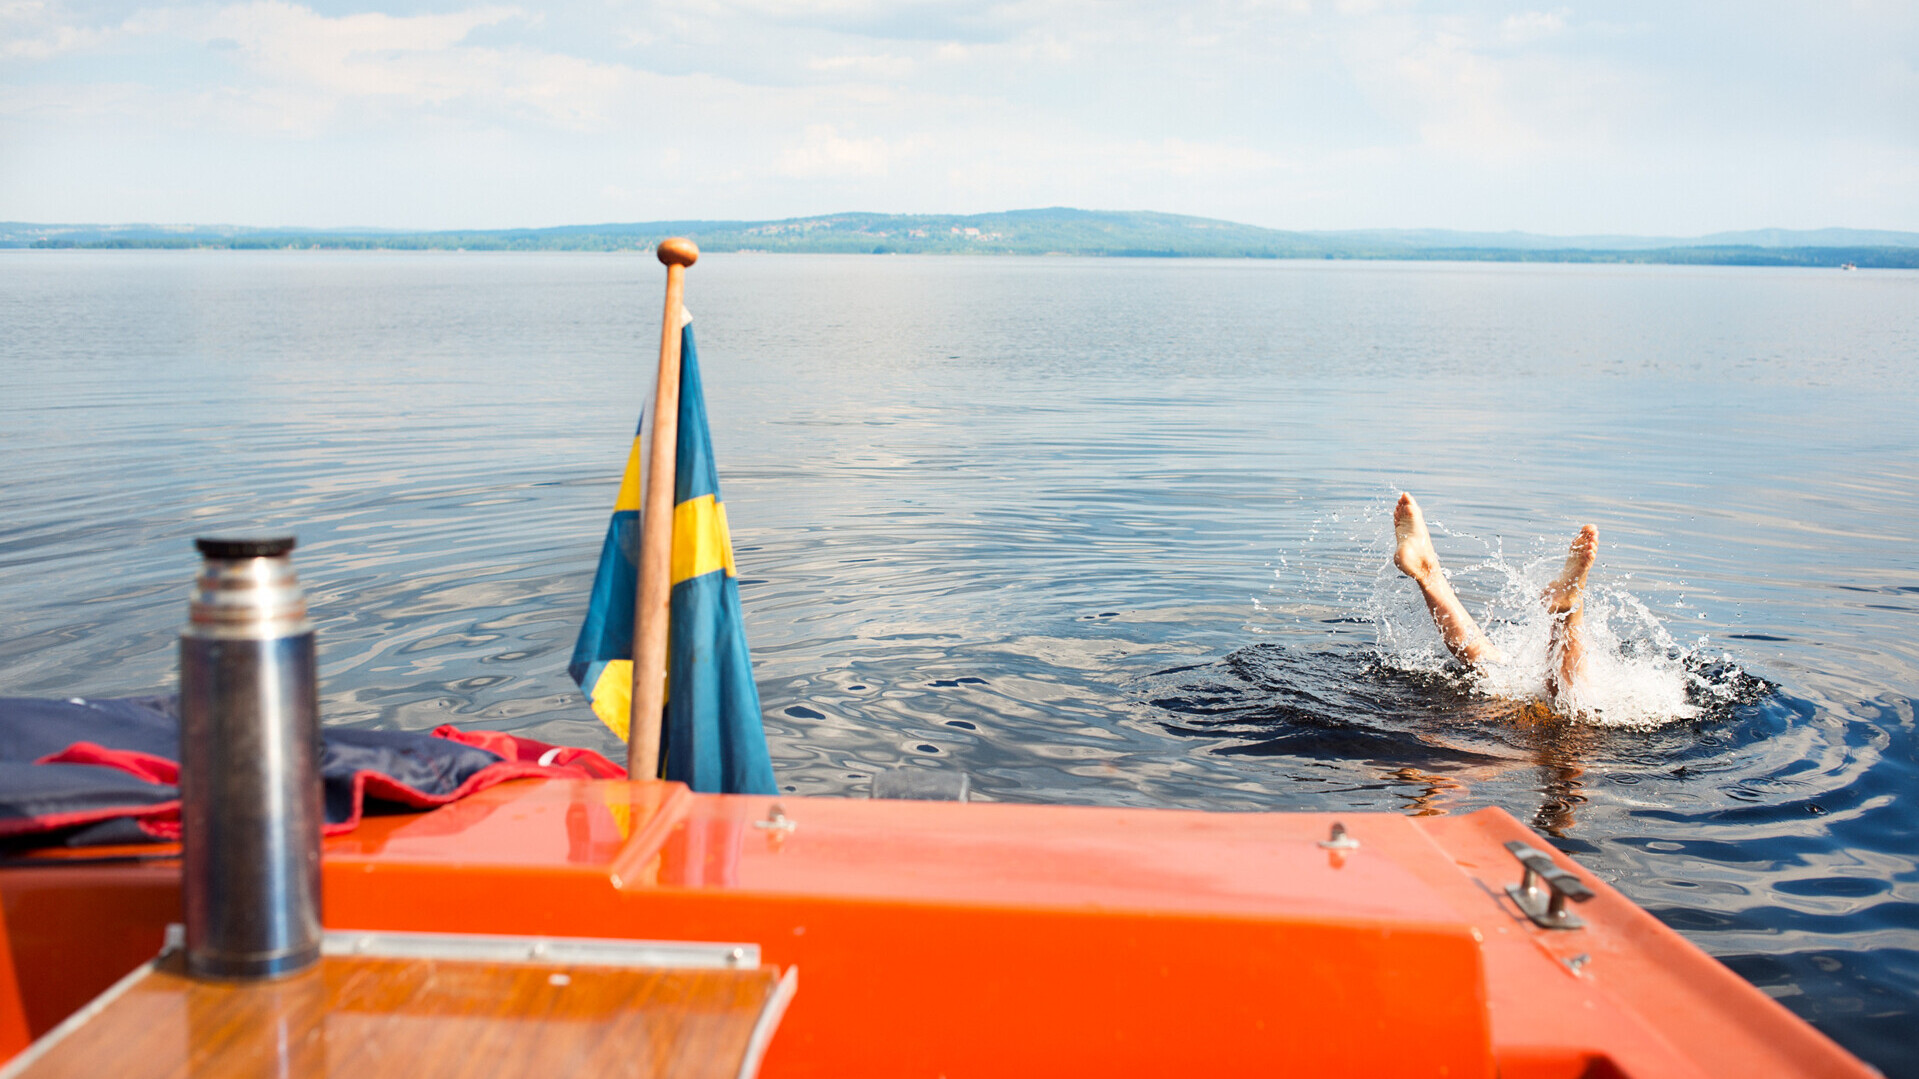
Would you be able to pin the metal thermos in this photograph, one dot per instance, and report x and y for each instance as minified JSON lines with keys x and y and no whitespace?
{"x":250,"y":800}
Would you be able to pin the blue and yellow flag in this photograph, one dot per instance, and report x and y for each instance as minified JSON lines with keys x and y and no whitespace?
{"x":603,"y":657}
{"x":713,"y":738}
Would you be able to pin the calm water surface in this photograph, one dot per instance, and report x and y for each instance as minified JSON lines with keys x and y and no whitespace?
{"x":1093,"y":531}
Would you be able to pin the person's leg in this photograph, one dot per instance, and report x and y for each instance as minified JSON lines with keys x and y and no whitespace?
{"x":1564,"y":600}
{"x":1416,"y":558}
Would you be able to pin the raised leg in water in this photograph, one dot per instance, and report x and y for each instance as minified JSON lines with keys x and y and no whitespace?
{"x":1565,"y":601}
{"x":1415,"y":557}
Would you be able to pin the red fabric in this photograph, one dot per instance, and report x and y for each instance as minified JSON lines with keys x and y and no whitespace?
{"x":165,"y":828}
{"x":138,"y":765}
{"x":514,"y":748}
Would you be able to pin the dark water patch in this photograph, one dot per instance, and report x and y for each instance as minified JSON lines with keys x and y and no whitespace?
{"x":1846,"y":887}
{"x":1331,"y":701}
{"x":1863,"y":1000}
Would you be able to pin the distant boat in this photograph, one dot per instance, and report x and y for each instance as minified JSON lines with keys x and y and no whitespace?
{"x":1848,"y":265}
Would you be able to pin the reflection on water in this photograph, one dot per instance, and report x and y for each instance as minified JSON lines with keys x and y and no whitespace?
{"x":1093,"y":531}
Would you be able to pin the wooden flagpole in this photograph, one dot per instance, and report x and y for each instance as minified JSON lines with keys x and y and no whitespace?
{"x":651,"y":612}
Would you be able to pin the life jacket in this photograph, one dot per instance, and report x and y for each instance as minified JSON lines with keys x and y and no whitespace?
{"x":88,"y":772}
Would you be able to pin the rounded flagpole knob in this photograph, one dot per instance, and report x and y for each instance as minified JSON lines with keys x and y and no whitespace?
{"x":678,"y":251}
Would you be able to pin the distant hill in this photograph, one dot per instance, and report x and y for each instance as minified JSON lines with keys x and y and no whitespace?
{"x":1055,"y":231}
{"x":1017,"y":232}
{"x":1529,"y":241}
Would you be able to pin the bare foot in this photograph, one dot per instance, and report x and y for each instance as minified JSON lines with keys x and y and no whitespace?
{"x":1563,"y":594}
{"x":1414,"y":554}
{"x":1415,"y":557}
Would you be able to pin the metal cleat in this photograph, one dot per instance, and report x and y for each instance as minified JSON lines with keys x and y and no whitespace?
{"x":1546,"y":906}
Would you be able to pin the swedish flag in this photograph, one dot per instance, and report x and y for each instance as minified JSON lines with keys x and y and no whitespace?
{"x":713,"y":736}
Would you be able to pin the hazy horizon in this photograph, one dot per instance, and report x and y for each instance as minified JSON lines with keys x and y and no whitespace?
{"x":709,"y":219}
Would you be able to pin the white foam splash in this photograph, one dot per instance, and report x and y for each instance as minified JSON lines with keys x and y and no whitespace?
{"x":1636,"y":673}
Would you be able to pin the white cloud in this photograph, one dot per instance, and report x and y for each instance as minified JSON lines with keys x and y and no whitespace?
{"x":1528,"y":26}
{"x":415,"y":58}
{"x":34,"y":30}
{"x":300,"y":39}
{"x":301,"y":70}
{"x":1464,"y":99}
{"x":68,"y":104}
{"x":872,"y":67}
{"x":891,"y":20}
{"x":1466,"y":92}
{"x":1216,"y":162}
{"x":822,"y":152}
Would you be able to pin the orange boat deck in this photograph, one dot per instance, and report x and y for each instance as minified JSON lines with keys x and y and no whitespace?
{"x":969,"y":939}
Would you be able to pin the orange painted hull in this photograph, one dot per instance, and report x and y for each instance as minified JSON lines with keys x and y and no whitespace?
{"x":945,"y":939}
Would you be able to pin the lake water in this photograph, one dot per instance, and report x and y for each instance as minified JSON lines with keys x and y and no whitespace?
{"x":1094,"y":531}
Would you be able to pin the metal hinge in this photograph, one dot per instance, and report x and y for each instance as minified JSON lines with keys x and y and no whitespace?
{"x":1546,"y":906}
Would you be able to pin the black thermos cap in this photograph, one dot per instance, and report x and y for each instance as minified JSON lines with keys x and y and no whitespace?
{"x":244,"y":548}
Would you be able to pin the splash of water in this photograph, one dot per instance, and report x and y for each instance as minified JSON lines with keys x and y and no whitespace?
{"x":1637,"y":674}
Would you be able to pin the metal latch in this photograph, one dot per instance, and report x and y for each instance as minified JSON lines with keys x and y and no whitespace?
{"x":1546,"y":906}
{"x":1339,"y":840}
{"x":777,"y":822}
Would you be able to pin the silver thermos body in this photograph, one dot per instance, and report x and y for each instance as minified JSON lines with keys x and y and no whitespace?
{"x":250,"y":798}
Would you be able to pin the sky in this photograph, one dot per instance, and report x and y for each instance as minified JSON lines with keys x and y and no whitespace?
{"x":1667,"y":118}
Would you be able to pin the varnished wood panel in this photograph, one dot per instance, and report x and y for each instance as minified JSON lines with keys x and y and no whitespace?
{"x":372,"y":1018}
